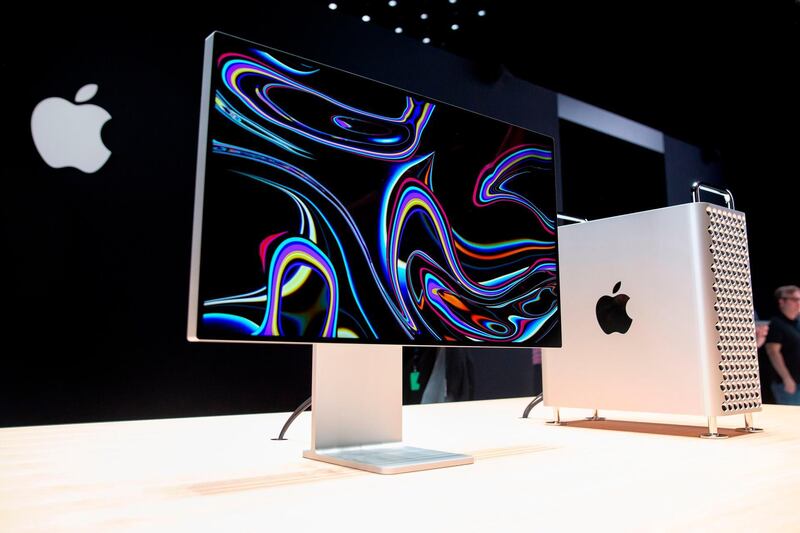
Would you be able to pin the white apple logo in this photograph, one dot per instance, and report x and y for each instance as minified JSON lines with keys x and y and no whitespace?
{"x":68,"y":135}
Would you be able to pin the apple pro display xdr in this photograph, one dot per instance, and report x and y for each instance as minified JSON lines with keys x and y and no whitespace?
{"x":330,"y":207}
{"x":657,"y":314}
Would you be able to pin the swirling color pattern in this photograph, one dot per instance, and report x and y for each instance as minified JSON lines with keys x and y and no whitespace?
{"x":409,"y":267}
{"x":254,"y":82}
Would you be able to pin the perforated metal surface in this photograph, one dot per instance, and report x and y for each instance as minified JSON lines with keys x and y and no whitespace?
{"x":736,"y":341}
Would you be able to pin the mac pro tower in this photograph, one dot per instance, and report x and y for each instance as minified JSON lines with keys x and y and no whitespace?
{"x":657,"y":315}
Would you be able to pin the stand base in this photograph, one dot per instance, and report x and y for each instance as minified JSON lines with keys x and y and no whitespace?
{"x":712,"y":432}
{"x":750,"y":430}
{"x":595,"y":417}
{"x":748,"y":425}
{"x":713,"y":436}
{"x":394,"y":458}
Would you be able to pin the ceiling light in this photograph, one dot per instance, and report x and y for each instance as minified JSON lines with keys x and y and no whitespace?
{"x":366,"y":18}
{"x":332,"y":6}
{"x":426,"y":40}
{"x":454,"y":27}
{"x":392,"y":3}
{"x":398,"y":30}
{"x":481,"y":12}
{"x":423,"y":16}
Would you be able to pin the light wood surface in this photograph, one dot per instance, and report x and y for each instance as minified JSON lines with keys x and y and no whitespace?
{"x":648,"y":473}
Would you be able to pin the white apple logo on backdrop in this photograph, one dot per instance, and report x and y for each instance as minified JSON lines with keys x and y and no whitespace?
{"x":68,"y":135}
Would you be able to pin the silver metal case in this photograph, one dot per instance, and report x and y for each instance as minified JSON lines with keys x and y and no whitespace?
{"x":691,"y":347}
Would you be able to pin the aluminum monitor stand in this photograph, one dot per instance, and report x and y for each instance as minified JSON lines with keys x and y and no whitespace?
{"x":357,"y":412}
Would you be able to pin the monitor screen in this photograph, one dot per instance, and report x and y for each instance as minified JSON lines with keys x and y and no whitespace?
{"x":333,"y":208}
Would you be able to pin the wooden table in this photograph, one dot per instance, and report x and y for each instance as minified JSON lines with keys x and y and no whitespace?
{"x":225,"y":474}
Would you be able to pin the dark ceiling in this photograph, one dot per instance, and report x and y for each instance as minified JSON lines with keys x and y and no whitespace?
{"x":704,"y":72}
{"x":722,"y":75}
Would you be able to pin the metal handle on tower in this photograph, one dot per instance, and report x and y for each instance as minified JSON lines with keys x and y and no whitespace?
{"x":559,"y":216}
{"x":698,"y":186}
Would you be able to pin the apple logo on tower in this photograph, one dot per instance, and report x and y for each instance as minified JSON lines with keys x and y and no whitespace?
{"x":68,"y":135}
{"x":611,"y":313}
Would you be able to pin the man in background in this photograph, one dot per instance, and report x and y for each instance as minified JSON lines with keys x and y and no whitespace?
{"x":783,"y":346}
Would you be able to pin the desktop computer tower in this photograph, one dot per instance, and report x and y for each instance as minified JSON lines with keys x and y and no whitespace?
{"x":657,"y":315}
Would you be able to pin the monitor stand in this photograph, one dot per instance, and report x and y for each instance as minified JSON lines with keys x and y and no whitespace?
{"x":357,"y":411}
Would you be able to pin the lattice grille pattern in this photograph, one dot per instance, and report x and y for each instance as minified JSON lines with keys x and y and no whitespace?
{"x":734,"y":307}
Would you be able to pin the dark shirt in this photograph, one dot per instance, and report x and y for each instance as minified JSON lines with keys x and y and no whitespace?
{"x":786,"y":333}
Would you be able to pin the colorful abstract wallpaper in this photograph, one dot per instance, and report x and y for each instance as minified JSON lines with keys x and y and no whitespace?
{"x":337,"y":208}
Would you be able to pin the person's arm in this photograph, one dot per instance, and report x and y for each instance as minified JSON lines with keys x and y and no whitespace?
{"x":776,"y":358}
{"x":762,"y":330}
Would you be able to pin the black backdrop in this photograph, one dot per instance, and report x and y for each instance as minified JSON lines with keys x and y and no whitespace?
{"x":94,"y":267}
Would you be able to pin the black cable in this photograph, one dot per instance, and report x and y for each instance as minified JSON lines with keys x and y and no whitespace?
{"x":303,"y":406}
{"x":536,"y":401}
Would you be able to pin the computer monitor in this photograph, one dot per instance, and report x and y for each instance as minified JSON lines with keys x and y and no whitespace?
{"x":334,"y":210}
